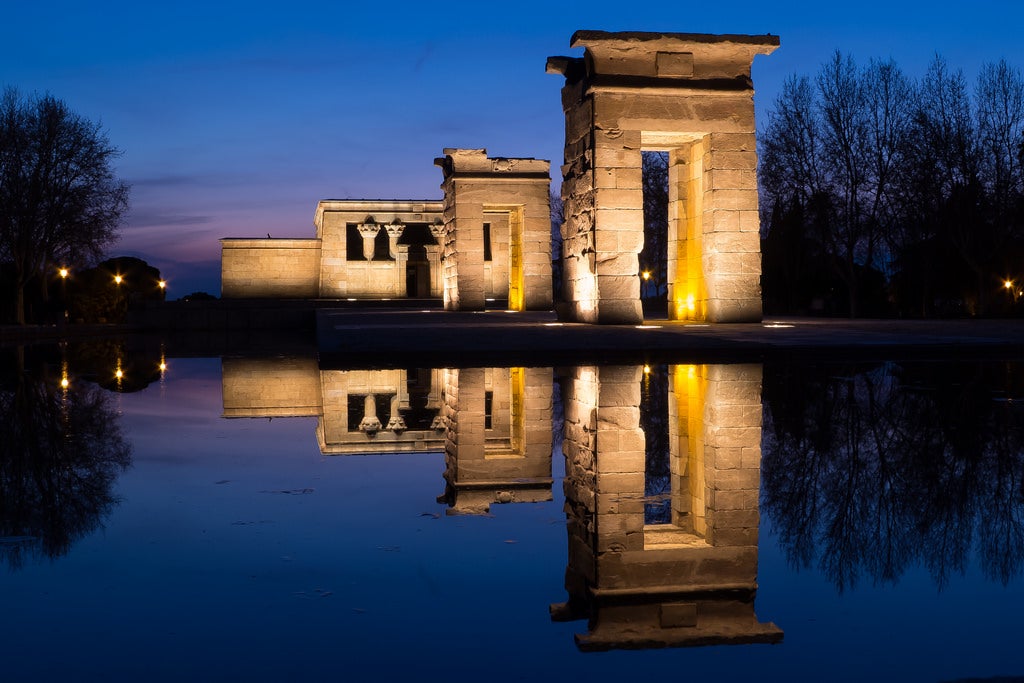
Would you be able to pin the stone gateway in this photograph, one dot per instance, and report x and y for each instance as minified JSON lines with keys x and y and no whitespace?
{"x":690,"y":95}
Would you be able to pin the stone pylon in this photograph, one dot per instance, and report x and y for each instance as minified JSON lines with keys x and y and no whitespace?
{"x":689,"y":95}
{"x":497,"y":230}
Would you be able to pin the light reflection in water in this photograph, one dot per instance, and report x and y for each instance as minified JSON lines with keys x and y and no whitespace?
{"x":942,"y":493}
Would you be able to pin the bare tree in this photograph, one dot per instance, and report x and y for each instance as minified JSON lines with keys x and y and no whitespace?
{"x":60,"y":202}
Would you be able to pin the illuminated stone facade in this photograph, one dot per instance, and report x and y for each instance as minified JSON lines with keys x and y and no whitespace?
{"x":489,"y":240}
{"x":690,"y":95}
{"x":379,"y":249}
{"x":678,"y":568}
{"x":497,"y":220}
{"x":492,"y":424}
{"x":498,"y":437}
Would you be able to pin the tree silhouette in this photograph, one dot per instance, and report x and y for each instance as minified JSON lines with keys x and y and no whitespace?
{"x":920,"y":184}
{"x":868,"y":470}
{"x":61,"y":453}
{"x":60,"y":202}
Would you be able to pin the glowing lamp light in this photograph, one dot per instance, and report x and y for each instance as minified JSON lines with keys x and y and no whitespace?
{"x":162,"y":284}
{"x":64,"y":383}
{"x":63,"y":272}
{"x":119,"y":373}
{"x":118,"y":279}
{"x":163,"y":367}
{"x":647,"y":369}
{"x":1008,"y":284}
{"x":646,"y":275}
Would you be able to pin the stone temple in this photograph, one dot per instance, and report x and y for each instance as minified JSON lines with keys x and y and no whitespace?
{"x":489,"y":240}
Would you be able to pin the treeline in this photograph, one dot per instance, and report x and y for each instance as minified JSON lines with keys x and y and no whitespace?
{"x":887,"y":195}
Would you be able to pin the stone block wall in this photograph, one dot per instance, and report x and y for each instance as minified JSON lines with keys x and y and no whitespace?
{"x":274,"y":387}
{"x":503,"y":457}
{"x":271,"y":268}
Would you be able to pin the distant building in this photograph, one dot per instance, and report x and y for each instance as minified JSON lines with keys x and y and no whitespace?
{"x":489,"y":239}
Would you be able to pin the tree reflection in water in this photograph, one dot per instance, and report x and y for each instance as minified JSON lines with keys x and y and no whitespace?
{"x":61,"y":451}
{"x":871,"y":470}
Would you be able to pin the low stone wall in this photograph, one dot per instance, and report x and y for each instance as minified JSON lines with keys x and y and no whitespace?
{"x":283,"y":268}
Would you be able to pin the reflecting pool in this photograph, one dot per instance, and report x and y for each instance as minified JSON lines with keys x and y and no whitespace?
{"x":266,"y":519}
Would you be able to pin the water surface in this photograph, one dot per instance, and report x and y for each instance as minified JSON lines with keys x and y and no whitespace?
{"x":888,"y":547}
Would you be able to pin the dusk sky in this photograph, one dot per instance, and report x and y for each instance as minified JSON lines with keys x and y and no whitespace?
{"x":235,"y":118}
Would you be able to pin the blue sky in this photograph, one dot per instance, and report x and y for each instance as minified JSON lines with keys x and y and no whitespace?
{"x":236,"y":118}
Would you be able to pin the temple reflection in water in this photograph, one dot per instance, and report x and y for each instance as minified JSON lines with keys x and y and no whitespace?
{"x":661,"y":486}
{"x":675,"y":567}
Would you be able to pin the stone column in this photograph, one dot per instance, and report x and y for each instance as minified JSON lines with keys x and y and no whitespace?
{"x":401,"y":266}
{"x":370,"y":422}
{"x":396,"y":423}
{"x":394,"y":230}
{"x":368,"y":231}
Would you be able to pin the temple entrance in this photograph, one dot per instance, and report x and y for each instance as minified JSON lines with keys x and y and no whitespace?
{"x":688,"y":97}
{"x":503,"y":256}
{"x":417,"y":273}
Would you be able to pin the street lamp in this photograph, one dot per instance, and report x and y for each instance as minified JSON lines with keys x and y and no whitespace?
{"x":118,"y":279}
{"x":64,"y":272}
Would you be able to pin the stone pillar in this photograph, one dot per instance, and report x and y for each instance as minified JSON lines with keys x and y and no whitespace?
{"x":688,"y":582}
{"x":690,"y":95}
{"x":394,"y":230}
{"x":436,"y":269}
{"x":475,"y":184}
{"x":401,"y":254}
{"x":370,"y":422}
{"x":396,"y":423}
{"x":368,"y":231}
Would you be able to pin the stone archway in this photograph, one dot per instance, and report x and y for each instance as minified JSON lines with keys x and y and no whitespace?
{"x":692,"y":96}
